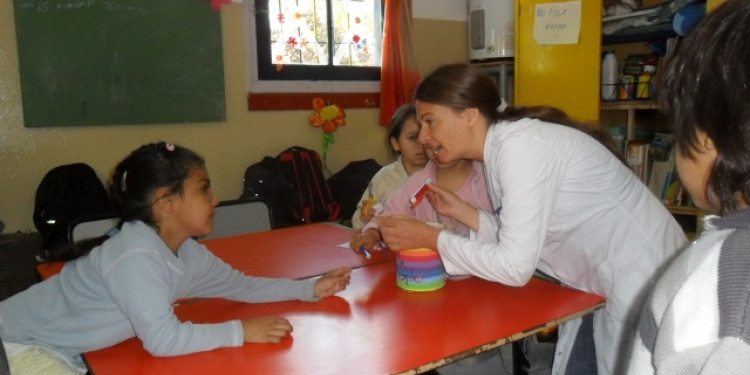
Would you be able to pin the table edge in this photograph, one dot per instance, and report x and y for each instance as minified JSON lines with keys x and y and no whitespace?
{"x":499,"y":342}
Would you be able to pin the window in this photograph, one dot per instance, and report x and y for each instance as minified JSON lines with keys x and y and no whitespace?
{"x":314,"y":45}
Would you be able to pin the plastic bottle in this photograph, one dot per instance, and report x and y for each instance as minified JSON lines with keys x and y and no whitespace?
{"x":644,"y":82}
{"x":609,"y":76}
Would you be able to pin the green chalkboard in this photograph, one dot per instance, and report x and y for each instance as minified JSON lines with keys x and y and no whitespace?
{"x":95,"y":62}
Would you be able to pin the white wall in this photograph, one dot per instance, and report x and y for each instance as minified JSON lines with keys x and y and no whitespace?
{"x":451,"y":10}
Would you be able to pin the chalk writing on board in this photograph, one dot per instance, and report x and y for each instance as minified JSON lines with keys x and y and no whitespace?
{"x":47,"y":6}
{"x":557,"y":23}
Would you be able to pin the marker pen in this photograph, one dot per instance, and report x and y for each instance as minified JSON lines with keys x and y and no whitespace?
{"x":419,"y":195}
{"x":364,"y":252}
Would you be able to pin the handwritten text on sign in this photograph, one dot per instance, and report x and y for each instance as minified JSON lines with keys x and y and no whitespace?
{"x":557,"y":23}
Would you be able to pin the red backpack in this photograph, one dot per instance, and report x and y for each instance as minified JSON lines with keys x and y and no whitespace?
{"x":311,"y":199}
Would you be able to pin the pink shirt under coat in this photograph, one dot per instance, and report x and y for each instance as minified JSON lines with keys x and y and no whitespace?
{"x":473,"y":191}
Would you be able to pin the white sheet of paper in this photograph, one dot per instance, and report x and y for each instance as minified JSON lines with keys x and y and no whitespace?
{"x":557,"y":23}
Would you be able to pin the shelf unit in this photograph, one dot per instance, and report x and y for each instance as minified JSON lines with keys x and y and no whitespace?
{"x":683,"y":210}
{"x":631,"y":106}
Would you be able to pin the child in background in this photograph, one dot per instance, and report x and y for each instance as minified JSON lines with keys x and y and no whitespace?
{"x":402,"y":136}
{"x":696,"y":319}
{"x":463,"y":177}
{"x":126,"y":286}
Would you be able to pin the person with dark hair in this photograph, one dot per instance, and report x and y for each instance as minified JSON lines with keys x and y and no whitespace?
{"x":402,"y":138}
{"x":126,"y":286}
{"x":563,"y":203}
{"x":696,"y":318}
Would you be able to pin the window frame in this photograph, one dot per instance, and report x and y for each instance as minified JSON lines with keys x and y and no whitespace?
{"x":296,"y":79}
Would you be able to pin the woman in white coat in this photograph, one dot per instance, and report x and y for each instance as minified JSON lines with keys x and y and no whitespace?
{"x":564,"y":203}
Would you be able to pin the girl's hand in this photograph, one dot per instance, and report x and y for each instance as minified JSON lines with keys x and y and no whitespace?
{"x":267,"y":329}
{"x":332,"y":282}
{"x":367,"y":211}
{"x":368,"y":239}
{"x":402,"y":232}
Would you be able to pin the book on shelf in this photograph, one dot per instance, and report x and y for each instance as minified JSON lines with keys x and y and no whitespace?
{"x":661,"y":170}
{"x":636,"y":156}
{"x":660,"y":177}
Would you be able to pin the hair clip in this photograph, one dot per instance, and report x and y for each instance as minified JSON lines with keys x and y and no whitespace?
{"x":502,"y":106}
{"x":123,"y":185}
{"x":170,"y":146}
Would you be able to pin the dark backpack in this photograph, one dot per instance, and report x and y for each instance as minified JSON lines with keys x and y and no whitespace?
{"x":266,"y":180}
{"x":65,"y":194}
{"x":294,"y":186}
{"x":348,"y":184}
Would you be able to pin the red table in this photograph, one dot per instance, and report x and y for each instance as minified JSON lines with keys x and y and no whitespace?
{"x":295,"y":252}
{"x":370,"y":328}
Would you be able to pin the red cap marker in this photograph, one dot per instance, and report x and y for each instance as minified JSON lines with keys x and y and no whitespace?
{"x":419,"y":195}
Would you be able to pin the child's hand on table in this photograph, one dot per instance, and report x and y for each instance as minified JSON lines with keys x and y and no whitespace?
{"x":266,"y":329}
{"x":332,"y":282}
{"x":368,"y":239}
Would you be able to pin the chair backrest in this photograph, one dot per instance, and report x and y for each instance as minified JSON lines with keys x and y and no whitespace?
{"x":91,"y":226}
{"x":241,"y":216}
{"x":4,"y":367}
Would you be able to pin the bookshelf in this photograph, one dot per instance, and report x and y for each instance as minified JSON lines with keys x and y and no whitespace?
{"x":684,"y":210}
{"x":629,"y":106}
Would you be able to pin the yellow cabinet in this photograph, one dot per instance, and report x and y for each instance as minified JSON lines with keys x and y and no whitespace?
{"x":562,"y":75}
{"x":566,"y":76}
{"x":711,"y":4}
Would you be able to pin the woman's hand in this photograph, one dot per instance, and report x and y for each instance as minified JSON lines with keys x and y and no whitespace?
{"x":402,"y":232}
{"x":368,"y":239}
{"x":267,"y":329}
{"x":448,"y":204}
{"x":332,"y":282}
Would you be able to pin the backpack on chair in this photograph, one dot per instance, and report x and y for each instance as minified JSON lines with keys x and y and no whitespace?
{"x":311,"y":199}
{"x":348,"y":185}
{"x":65,"y":194}
{"x":266,"y":180}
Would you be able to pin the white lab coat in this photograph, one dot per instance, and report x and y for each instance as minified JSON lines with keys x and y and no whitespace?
{"x":564,"y":204}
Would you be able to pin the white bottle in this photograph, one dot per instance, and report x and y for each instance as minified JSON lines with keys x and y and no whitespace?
{"x":609,"y":76}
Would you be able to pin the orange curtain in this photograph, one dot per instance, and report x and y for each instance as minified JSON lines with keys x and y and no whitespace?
{"x":398,"y":73}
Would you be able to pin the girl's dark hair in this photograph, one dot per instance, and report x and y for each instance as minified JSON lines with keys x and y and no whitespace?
{"x":705,"y":87}
{"x":461,"y":86}
{"x":134,"y":184}
{"x":398,"y":120}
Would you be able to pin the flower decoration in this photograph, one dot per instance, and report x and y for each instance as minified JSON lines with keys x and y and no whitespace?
{"x":328,"y":117}
{"x":216,"y":4}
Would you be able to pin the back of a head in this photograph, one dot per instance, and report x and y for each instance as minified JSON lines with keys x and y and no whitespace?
{"x":147,"y":169}
{"x":461,"y":86}
{"x":705,"y":87}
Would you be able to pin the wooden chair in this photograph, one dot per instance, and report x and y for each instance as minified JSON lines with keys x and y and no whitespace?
{"x":241,"y":216}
